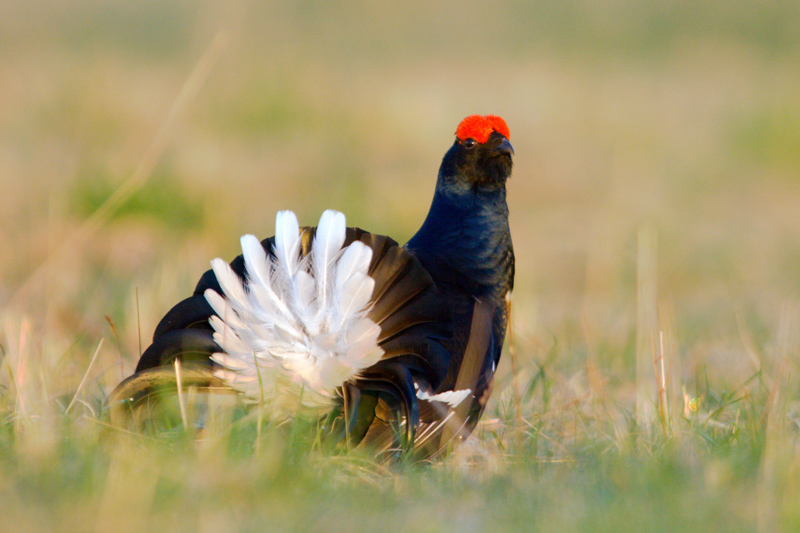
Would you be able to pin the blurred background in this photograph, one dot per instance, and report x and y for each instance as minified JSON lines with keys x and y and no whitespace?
{"x":656,"y":182}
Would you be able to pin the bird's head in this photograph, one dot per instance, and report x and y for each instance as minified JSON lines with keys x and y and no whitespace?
{"x":481,"y":156}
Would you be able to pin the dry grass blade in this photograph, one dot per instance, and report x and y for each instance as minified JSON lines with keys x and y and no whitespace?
{"x":661,"y":384}
{"x":118,"y":344}
{"x":646,"y":324}
{"x":138,"y":323}
{"x":85,"y":376}
{"x":11,"y":373}
{"x":181,"y":401}
{"x":260,"y":414}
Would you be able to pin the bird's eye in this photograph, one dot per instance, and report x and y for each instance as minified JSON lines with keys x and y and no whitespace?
{"x":470,"y":143}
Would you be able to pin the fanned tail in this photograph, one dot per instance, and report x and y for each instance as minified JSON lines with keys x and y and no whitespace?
{"x":302,"y":323}
{"x":305,"y":317}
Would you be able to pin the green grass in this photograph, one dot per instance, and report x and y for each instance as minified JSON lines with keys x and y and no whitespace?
{"x":655,"y":193}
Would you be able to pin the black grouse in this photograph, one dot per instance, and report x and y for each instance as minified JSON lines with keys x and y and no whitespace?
{"x":389,"y":345}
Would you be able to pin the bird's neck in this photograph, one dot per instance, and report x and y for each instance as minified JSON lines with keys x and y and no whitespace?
{"x":465,"y":239}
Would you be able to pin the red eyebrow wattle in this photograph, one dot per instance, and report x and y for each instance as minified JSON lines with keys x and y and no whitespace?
{"x":480,"y":127}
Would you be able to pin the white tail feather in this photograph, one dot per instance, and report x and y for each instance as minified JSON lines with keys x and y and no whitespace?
{"x":221,"y":307}
{"x":355,"y":294}
{"x":256,"y":259}
{"x":355,"y":259}
{"x":226,"y":337}
{"x":327,"y":244}
{"x":228,"y":281}
{"x":302,"y":322}
{"x":287,"y":241}
{"x":452,"y":398}
{"x":353,"y":284}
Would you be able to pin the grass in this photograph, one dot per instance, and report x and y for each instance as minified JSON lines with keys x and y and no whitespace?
{"x":653,"y":208}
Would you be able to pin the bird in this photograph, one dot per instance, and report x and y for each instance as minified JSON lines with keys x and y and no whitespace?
{"x":394,"y":347}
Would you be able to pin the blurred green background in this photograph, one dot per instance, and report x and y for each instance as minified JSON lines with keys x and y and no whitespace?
{"x":666,"y":132}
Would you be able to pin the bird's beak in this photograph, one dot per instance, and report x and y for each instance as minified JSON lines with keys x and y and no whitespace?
{"x":504,"y":148}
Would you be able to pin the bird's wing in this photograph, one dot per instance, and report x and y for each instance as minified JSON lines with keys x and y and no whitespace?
{"x":473,"y":362}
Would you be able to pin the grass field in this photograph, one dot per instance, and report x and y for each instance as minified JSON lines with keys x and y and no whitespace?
{"x":655,"y":211}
